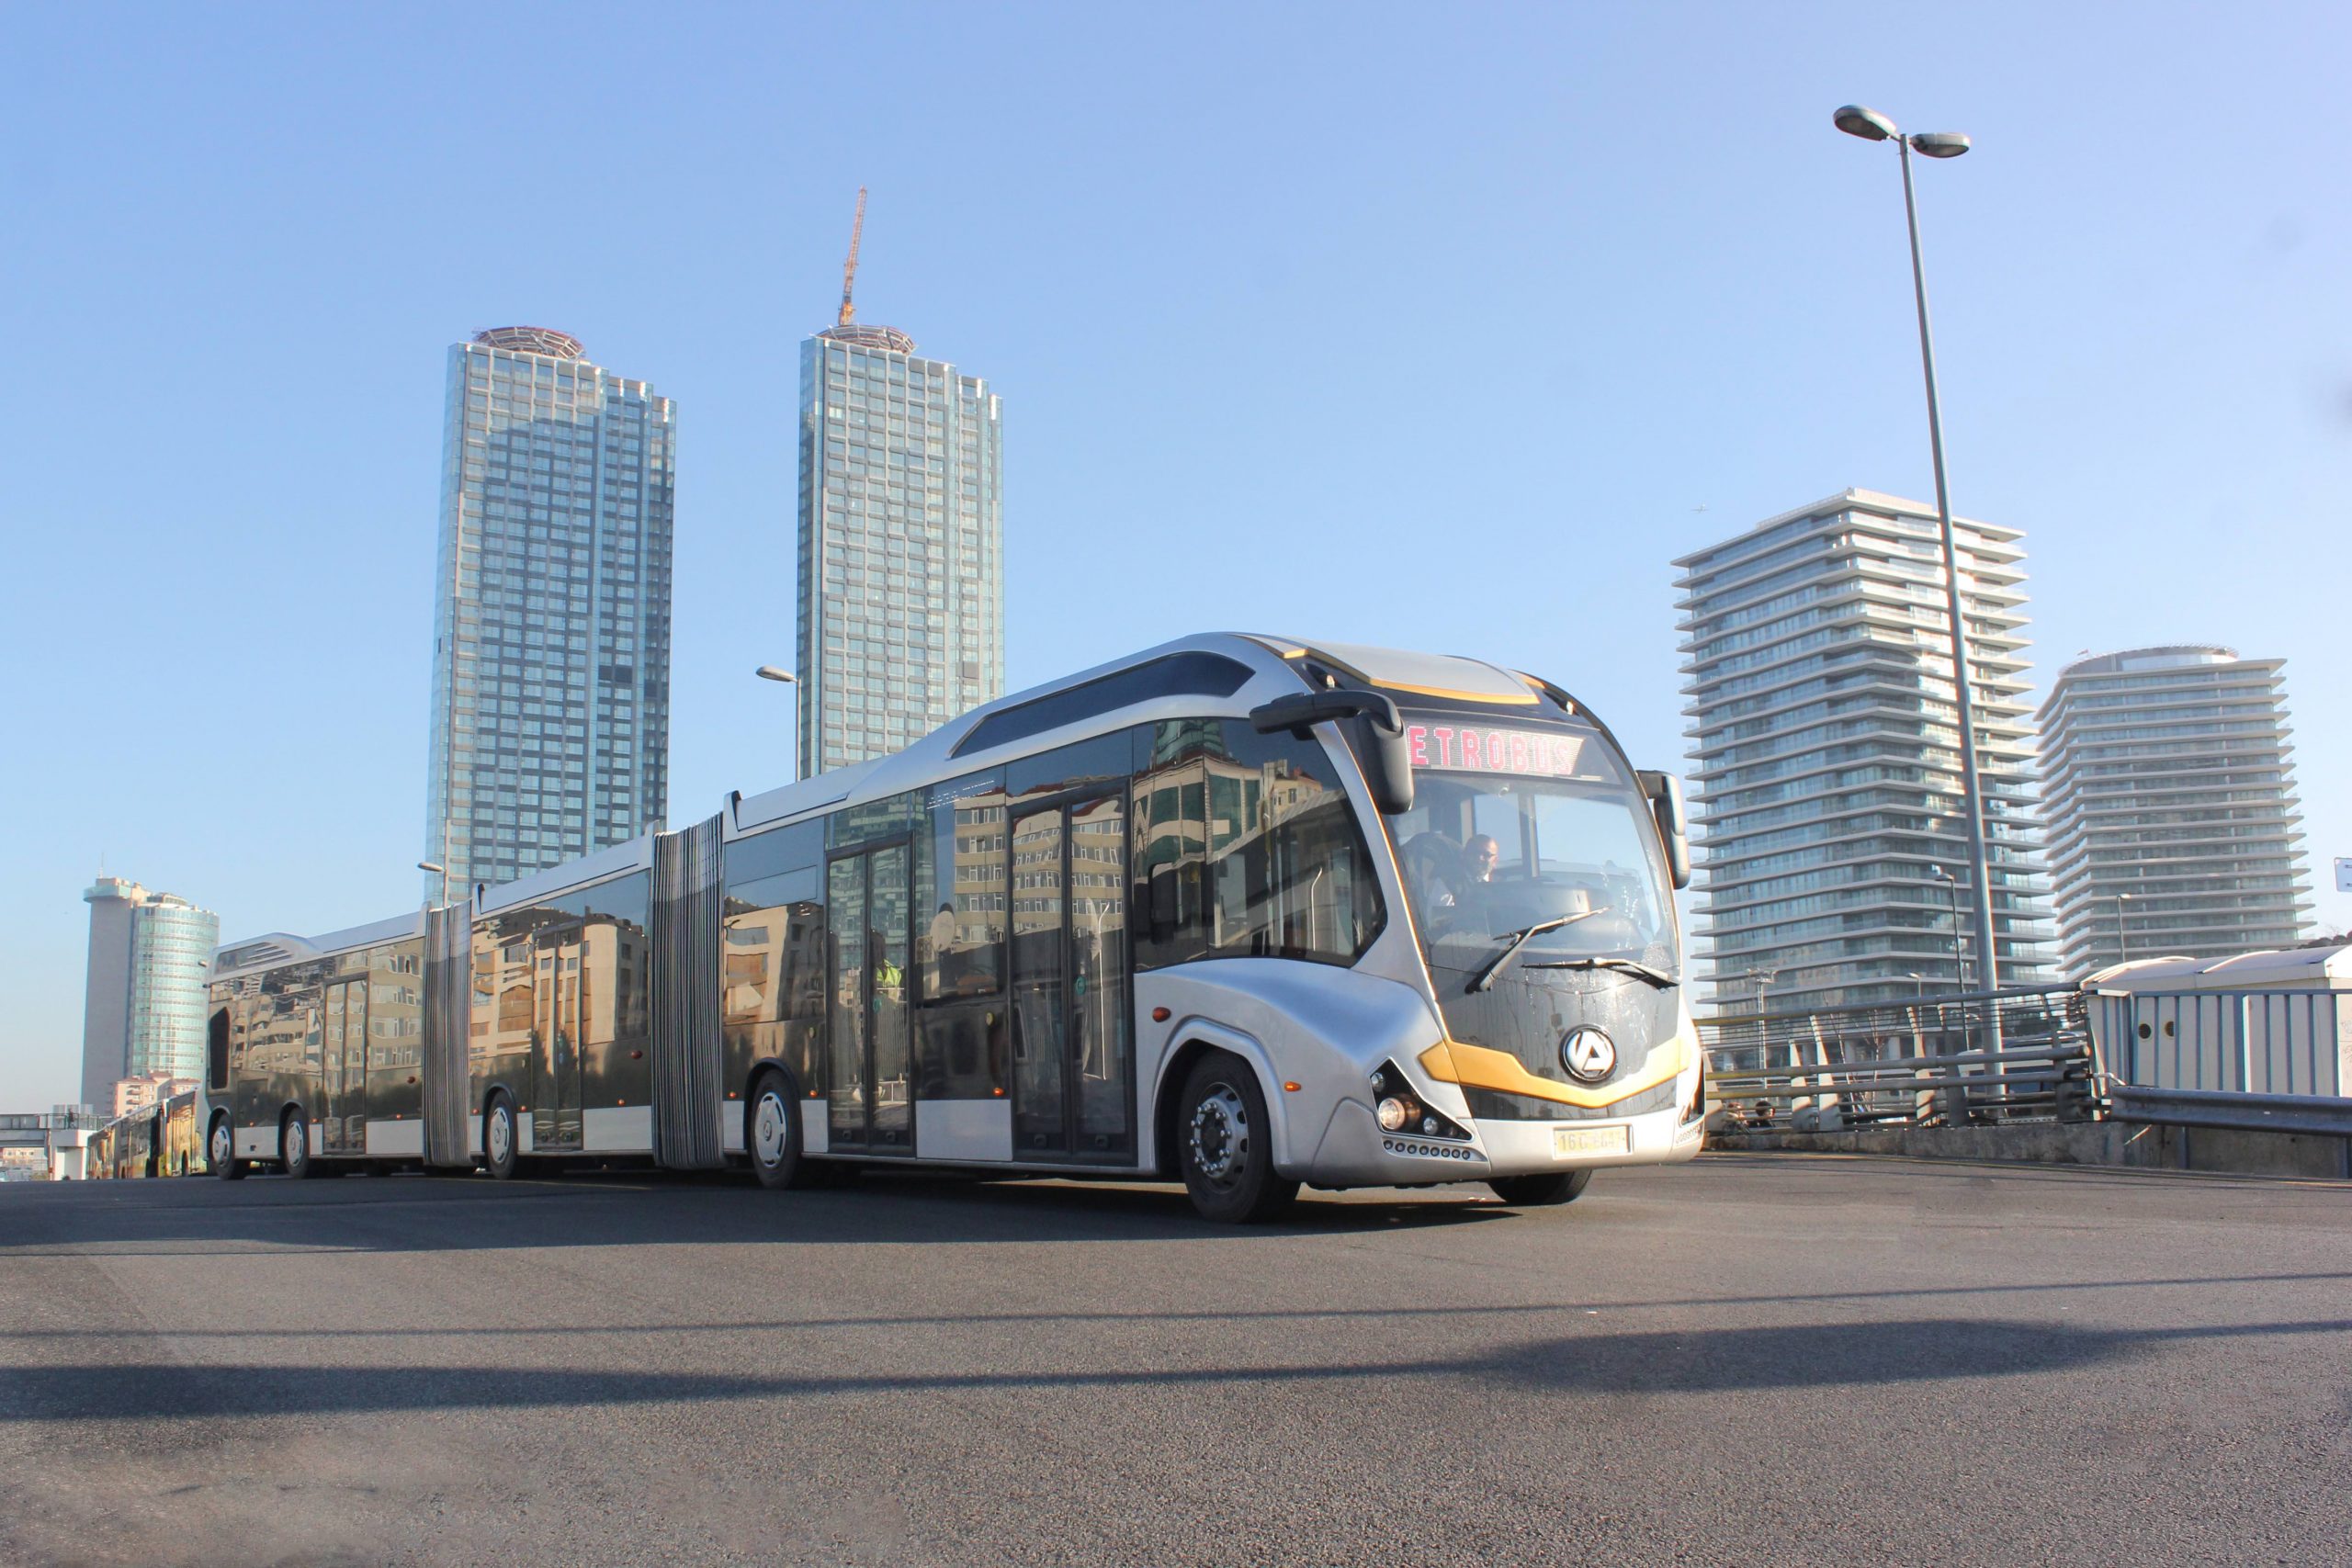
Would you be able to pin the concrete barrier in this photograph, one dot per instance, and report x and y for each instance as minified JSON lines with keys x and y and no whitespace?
{"x":2131,"y":1146}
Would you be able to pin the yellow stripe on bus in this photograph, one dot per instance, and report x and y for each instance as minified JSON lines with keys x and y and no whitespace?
{"x":1476,"y":1066}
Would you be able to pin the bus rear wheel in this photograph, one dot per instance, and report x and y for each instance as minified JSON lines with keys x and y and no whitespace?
{"x":501,"y":1139}
{"x":1225,"y":1146}
{"x":294,"y":1146}
{"x":221,"y":1150}
{"x":1540,"y":1191}
{"x":772,"y":1132}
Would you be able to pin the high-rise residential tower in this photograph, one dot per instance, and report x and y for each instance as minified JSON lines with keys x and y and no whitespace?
{"x":552,"y":620}
{"x":901,"y":623}
{"x":1829,"y":835}
{"x":142,"y":1008}
{"x":2173,"y":827}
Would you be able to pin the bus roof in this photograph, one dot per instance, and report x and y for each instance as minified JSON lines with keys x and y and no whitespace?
{"x":1270,"y":666}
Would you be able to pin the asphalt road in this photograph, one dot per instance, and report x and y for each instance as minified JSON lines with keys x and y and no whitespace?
{"x":1752,"y":1358}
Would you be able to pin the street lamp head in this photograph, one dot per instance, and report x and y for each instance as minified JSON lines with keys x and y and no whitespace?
{"x":773,"y":673}
{"x":1868,"y":124}
{"x":435,"y":867}
{"x":1940,"y":144}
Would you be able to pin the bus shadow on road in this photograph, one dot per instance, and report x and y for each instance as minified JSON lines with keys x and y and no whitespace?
{"x":639,"y":1208}
{"x":1771,"y":1359}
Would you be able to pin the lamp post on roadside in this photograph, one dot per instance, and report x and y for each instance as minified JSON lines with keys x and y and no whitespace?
{"x":1872,"y":126}
{"x":778,"y":673}
{"x":1959,"y":952}
{"x":442,"y":871}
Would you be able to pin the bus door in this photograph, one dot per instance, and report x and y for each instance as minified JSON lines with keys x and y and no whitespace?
{"x":1073,"y":1050}
{"x":343,"y":1069}
{"x":558,"y":1017}
{"x":869,"y":947}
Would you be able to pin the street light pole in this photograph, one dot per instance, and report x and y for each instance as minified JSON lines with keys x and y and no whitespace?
{"x":2122,"y":938}
{"x":1958,"y":948}
{"x":1871,"y":126}
{"x":777,"y":672}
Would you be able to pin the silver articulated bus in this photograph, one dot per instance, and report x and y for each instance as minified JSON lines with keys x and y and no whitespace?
{"x":1242,"y":911}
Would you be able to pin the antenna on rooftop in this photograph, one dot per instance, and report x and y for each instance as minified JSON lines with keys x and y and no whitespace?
{"x":849,"y":267}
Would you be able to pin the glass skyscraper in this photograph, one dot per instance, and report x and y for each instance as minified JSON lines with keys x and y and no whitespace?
{"x":142,"y":1008}
{"x":1830,"y":843}
{"x":2174,"y":828}
{"x":901,"y":623}
{"x":551,"y":627}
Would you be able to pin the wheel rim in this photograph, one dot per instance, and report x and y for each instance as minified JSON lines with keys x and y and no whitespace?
{"x":769,"y":1132}
{"x":298,"y":1142}
{"x":502,"y":1134}
{"x":221,"y":1150}
{"x":1220,"y":1135}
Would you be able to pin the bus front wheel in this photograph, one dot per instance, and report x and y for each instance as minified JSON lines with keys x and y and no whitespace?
{"x":1540,"y":1191}
{"x":1225,"y":1144}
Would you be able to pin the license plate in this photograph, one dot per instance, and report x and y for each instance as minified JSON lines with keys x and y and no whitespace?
{"x":1571,"y":1141}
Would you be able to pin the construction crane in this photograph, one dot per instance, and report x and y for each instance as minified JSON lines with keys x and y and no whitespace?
{"x":849,"y":267}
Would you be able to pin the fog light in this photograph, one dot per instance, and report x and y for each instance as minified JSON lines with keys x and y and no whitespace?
{"x":1393,"y":1113}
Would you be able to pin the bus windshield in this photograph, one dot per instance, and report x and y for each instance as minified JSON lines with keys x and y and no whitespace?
{"x":1530,"y":826}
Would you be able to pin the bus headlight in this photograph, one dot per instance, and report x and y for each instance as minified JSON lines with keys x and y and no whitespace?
{"x":1399,"y":1109}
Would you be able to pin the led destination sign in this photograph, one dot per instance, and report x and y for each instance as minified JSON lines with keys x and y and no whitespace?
{"x":1475,"y":749}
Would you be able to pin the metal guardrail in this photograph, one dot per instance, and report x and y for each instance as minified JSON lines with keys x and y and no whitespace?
{"x":1993,"y":1057}
{"x":2242,"y":1113}
{"x":2052,"y":1052}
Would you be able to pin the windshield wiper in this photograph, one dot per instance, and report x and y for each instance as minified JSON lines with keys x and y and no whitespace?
{"x":1658,"y":978}
{"x":1486,"y":977}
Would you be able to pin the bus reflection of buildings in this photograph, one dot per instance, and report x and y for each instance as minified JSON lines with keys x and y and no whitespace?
{"x":561,"y":983}
{"x":769,"y":950}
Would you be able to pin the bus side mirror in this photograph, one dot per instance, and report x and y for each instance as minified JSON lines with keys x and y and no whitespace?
{"x":1375,"y":729}
{"x":1388,"y":766}
{"x":1665,"y":792}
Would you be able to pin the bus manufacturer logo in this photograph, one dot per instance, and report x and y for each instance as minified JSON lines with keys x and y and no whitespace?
{"x":1588,"y":1054}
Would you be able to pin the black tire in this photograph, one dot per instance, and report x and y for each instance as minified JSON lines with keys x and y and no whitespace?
{"x":294,"y":1156}
{"x":1540,"y":1191}
{"x":1225,"y":1145}
{"x":501,"y":1138}
{"x":772,"y":1131}
{"x":220,"y":1149}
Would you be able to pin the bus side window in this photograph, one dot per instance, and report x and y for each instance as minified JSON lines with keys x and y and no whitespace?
{"x":216,"y":1048}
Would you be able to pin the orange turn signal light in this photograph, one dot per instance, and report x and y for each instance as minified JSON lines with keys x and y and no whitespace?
{"x":1160,"y":1015}
{"x":1290,"y":1089}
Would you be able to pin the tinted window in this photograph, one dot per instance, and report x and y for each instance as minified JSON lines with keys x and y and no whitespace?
{"x":1245,"y":845}
{"x":960,"y":937}
{"x":1184,"y":674}
{"x":216,"y":1048}
{"x":578,"y":965}
{"x":772,"y":952}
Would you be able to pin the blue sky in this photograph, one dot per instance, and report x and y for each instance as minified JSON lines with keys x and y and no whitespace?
{"x":1434,"y":326}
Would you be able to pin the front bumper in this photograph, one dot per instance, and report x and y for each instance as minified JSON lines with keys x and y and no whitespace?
{"x":1355,"y":1152}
